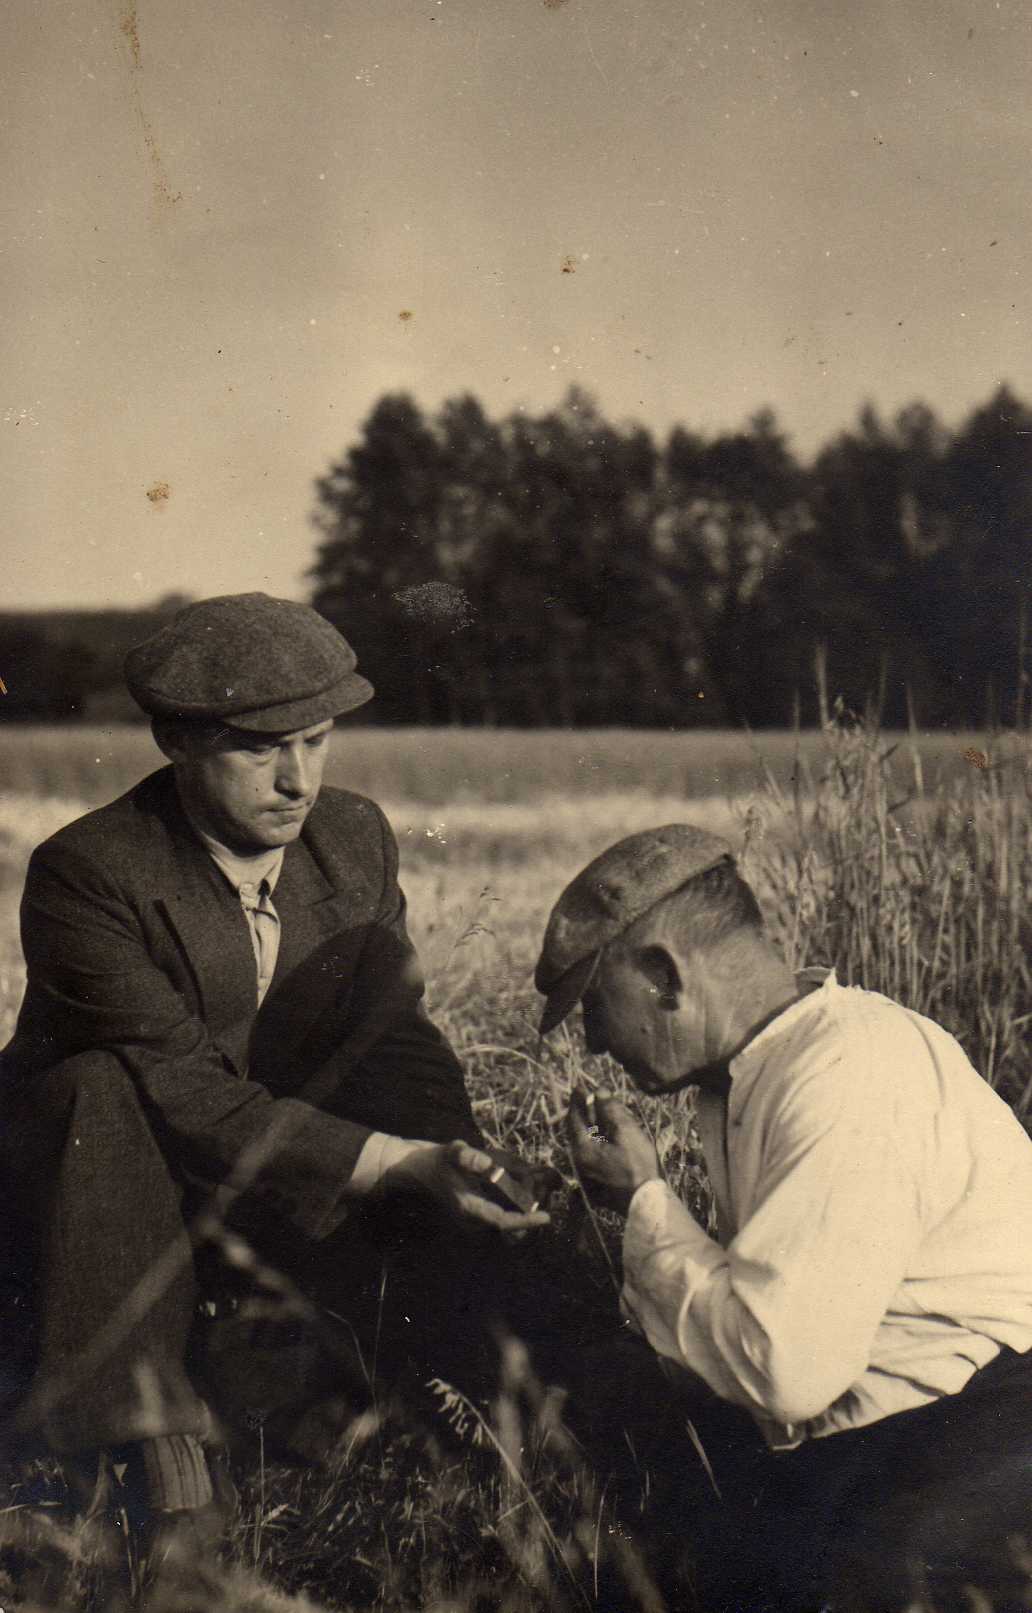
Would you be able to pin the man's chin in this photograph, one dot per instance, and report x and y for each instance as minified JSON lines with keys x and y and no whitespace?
{"x":281,"y":834}
{"x":658,"y":1086}
{"x":269,"y":834}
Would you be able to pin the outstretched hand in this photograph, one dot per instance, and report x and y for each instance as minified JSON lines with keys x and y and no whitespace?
{"x":455,"y":1175}
{"x":538,"y":1180}
{"x":612,"y":1154}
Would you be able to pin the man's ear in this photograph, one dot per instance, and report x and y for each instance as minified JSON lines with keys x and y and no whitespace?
{"x":659,"y":966}
{"x":172,"y":738}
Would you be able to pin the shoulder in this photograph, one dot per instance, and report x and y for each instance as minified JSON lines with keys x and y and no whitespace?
{"x":138,"y":819}
{"x":857,"y":1055}
{"x":342,"y":810}
{"x":345,"y":825}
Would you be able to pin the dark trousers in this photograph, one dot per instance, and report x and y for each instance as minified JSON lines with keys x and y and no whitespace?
{"x":112,"y":1260}
{"x":122,"y":1354}
{"x":866,"y":1521}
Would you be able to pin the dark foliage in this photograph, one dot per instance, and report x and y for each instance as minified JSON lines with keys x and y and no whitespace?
{"x":561,"y":570}
{"x":66,"y":665}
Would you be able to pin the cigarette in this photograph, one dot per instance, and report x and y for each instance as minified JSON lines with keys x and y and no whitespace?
{"x":589,"y":1106}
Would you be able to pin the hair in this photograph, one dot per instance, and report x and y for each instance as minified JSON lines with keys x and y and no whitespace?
{"x":194,"y":734}
{"x":701,"y":913}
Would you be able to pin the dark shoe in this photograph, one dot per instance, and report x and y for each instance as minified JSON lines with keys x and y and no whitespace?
{"x":103,"y":1540}
{"x":152,"y":1516}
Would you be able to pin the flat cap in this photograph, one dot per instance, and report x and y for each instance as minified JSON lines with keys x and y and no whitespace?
{"x":605,"y":899}
{"x":255,"y":662}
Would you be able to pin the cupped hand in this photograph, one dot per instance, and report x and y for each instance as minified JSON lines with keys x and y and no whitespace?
{"x":455,"y":1176}
{"x":540,"y":1180}
{"x":612,"y":1154}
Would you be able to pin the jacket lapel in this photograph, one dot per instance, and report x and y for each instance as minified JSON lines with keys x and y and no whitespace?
{"x":205,"y":914}
{"x":322,"y":926}
{"x":325,"y":905}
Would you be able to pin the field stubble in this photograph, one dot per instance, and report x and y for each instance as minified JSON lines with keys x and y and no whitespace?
{"x":904,"y":864}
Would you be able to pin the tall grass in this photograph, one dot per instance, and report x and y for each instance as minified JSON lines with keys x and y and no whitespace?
{"x":921,"y":894}
{"x":905,"y":864}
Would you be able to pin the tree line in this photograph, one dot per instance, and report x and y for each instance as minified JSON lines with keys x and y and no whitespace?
{"x":562,"y":570}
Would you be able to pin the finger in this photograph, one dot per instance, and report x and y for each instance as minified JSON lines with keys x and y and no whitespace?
{"x":579,"y":1098}
{"x":612,"y":1113}
{"x":468,"y":1158}
{"x":480,"y":1209}
{"x":577,"y":1115}
{"x":581,"y":1139}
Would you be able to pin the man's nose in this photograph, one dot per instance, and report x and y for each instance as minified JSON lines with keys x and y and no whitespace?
{"x":293,"y":775}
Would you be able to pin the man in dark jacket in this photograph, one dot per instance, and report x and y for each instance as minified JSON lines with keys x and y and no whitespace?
{"x":223,"y":1008}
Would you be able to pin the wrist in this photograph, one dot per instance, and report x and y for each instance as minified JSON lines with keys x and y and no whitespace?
{"x":640,"y":1180}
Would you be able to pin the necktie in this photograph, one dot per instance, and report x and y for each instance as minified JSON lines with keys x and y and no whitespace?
{"x":264,"y":925}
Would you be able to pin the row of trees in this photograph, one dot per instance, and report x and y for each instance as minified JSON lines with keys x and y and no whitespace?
{"x":63,"y":665}
{"x":561,"y":569}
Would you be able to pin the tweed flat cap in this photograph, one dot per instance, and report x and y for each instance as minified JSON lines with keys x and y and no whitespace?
{"x":605,"y":899}
{"x":255,"y":662}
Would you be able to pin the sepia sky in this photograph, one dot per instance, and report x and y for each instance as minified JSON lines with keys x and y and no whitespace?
{"x":214,"y":216}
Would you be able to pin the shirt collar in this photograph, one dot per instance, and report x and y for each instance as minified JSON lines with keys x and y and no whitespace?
{"x":239,"y":870}
{"x":817,"y":984}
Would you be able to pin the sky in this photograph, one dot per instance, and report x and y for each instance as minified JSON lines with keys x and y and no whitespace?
{"x":213,"y":219}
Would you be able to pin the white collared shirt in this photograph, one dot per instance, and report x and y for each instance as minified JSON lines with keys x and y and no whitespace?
{"x":874,"y":1209}
{"x":254,"y":880}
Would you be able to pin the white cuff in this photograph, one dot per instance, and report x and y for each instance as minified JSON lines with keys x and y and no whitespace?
{"x":665,"y":1255}
{"x":380,"y":1152}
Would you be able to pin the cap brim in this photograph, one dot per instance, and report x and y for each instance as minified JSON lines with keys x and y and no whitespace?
{"x":348,"y":694}
{"x":567,"y":992}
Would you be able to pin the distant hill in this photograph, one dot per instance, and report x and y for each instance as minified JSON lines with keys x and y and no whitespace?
{"x":66,"y":665}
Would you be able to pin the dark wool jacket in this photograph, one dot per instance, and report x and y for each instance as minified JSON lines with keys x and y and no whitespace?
{"x":137,"y":946}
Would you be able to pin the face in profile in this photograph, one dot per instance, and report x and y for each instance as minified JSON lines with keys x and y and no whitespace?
{"x":643,"y":1011}
{"x":252,"y":791}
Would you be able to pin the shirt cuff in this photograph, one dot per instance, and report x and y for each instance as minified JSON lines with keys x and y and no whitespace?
{"x":380,"y":1152}
{"x":665,"y":1255}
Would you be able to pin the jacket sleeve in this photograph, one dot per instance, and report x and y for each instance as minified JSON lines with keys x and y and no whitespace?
{"x":94,"y":986}
{"x":395,"y":1070}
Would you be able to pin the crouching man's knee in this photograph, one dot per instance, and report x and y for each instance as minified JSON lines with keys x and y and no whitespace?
{"x":88,"y":1103}
{"x":96,"y":1080}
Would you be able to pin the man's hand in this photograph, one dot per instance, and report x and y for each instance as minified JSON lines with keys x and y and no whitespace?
{"x":540,"y":1181}
{"x":454,"y":1176}
{"x":613,"y":1156}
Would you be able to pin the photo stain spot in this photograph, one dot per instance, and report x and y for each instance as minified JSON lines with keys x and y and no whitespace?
{"x":438,"y":606}
{"x":405,"y":315}
{"x":568,"y":265}
{"x":130,"y":26}
{"x":977,"y":758}
{"x":553,"y":5}
{"x":131,"y":30}
{"x":159,"y":494}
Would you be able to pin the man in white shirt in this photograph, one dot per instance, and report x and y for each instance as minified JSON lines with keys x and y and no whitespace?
{"x":866,"y":1295}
